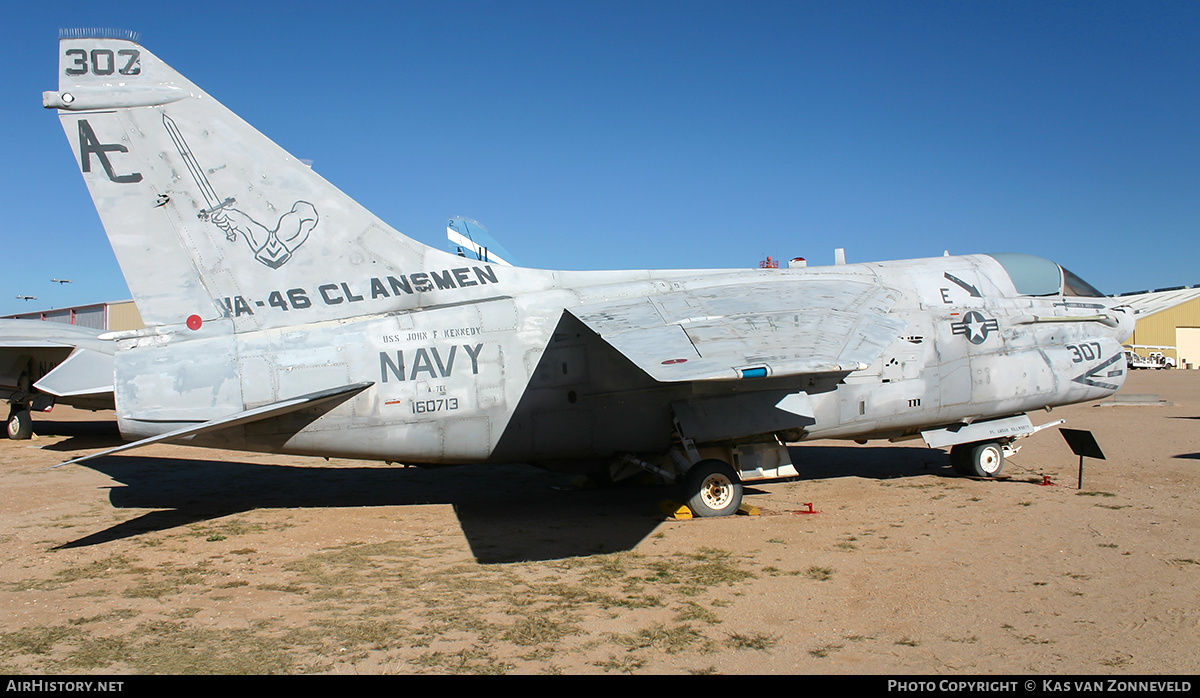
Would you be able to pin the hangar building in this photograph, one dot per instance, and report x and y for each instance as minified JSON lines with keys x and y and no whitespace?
{"x":1168,"y":318}
{"x":122,"y":315}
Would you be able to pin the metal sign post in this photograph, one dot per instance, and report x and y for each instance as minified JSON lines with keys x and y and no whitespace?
{"x":1082,"y":444}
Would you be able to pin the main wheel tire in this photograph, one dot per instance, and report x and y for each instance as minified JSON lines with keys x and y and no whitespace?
{"x":960,"y":458}
{"x":20,"y":425}
{"x":713,"y":488}
{"x":986,"y":459}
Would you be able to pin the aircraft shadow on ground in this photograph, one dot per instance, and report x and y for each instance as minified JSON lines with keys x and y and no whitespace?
{"x":886,"y":463}
{"x":81,"y":435}
{"x":508,"y":513}
{"x":875,"y":462}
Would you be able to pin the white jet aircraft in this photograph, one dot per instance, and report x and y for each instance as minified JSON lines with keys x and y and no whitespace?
{"x":284,"y":317}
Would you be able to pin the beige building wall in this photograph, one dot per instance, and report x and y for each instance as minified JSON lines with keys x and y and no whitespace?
{"x":1188,"y":341}
{"x":124,"y":316}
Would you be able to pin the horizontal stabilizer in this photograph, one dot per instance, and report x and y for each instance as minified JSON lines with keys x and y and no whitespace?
{"x":253,"y":415}
{"x":85,"y":372}
{"x":752,"y":330}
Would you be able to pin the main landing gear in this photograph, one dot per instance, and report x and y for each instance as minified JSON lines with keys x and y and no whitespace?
{"x":709,"y":478}
{"x":712,"y":488}
{"x":20,"y":424}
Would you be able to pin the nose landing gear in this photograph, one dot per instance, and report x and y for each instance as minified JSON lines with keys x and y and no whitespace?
{"x":984,"y":459}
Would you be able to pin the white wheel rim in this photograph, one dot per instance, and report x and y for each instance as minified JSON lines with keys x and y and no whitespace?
{"x":989,"y":460}
{"x":717,"y":492}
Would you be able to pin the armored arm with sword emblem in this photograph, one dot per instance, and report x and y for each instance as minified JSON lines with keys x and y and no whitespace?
{"x":272,"y":251}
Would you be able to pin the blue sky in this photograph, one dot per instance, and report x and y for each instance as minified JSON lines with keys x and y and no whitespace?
{"x":591,"y":135}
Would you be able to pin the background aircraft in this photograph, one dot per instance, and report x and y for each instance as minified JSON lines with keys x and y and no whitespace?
{"x":284,"y":317}
{"x":468,"y":238}
{"x":44,"y":363}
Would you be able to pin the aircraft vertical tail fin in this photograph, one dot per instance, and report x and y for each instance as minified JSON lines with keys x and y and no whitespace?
{"x":210,"y":220}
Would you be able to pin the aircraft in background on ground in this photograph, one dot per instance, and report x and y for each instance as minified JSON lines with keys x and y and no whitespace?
{"x":47,"y":363}
{"x":284,"y":317}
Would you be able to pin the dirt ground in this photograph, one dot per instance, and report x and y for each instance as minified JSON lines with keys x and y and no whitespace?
{"x":179,"y":560}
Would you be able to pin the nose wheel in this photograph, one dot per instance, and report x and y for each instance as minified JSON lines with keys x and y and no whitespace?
{"x":713,"y":488}
{"x":984,"y":459}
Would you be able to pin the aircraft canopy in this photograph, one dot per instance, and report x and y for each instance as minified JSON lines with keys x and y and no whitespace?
{"x":1035,"y":276}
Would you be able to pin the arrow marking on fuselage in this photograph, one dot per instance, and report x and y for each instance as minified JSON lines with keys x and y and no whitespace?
{"x":1086,"y":378}
{"x":966,"y":286}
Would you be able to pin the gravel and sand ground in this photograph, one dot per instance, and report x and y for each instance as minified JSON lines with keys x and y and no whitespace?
{"x":179,"y":560}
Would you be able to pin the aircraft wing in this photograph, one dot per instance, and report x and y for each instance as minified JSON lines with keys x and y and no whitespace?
{"x":751,"y":330}
{"x":40,"y":334}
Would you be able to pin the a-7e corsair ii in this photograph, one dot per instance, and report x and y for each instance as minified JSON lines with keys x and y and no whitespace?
{"x":283,"y":317}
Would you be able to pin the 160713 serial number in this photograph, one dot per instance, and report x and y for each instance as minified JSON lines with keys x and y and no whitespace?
{"x":434,"y":405}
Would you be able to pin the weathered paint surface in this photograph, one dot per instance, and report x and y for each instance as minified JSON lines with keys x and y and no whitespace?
{"x":260,"y":282}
